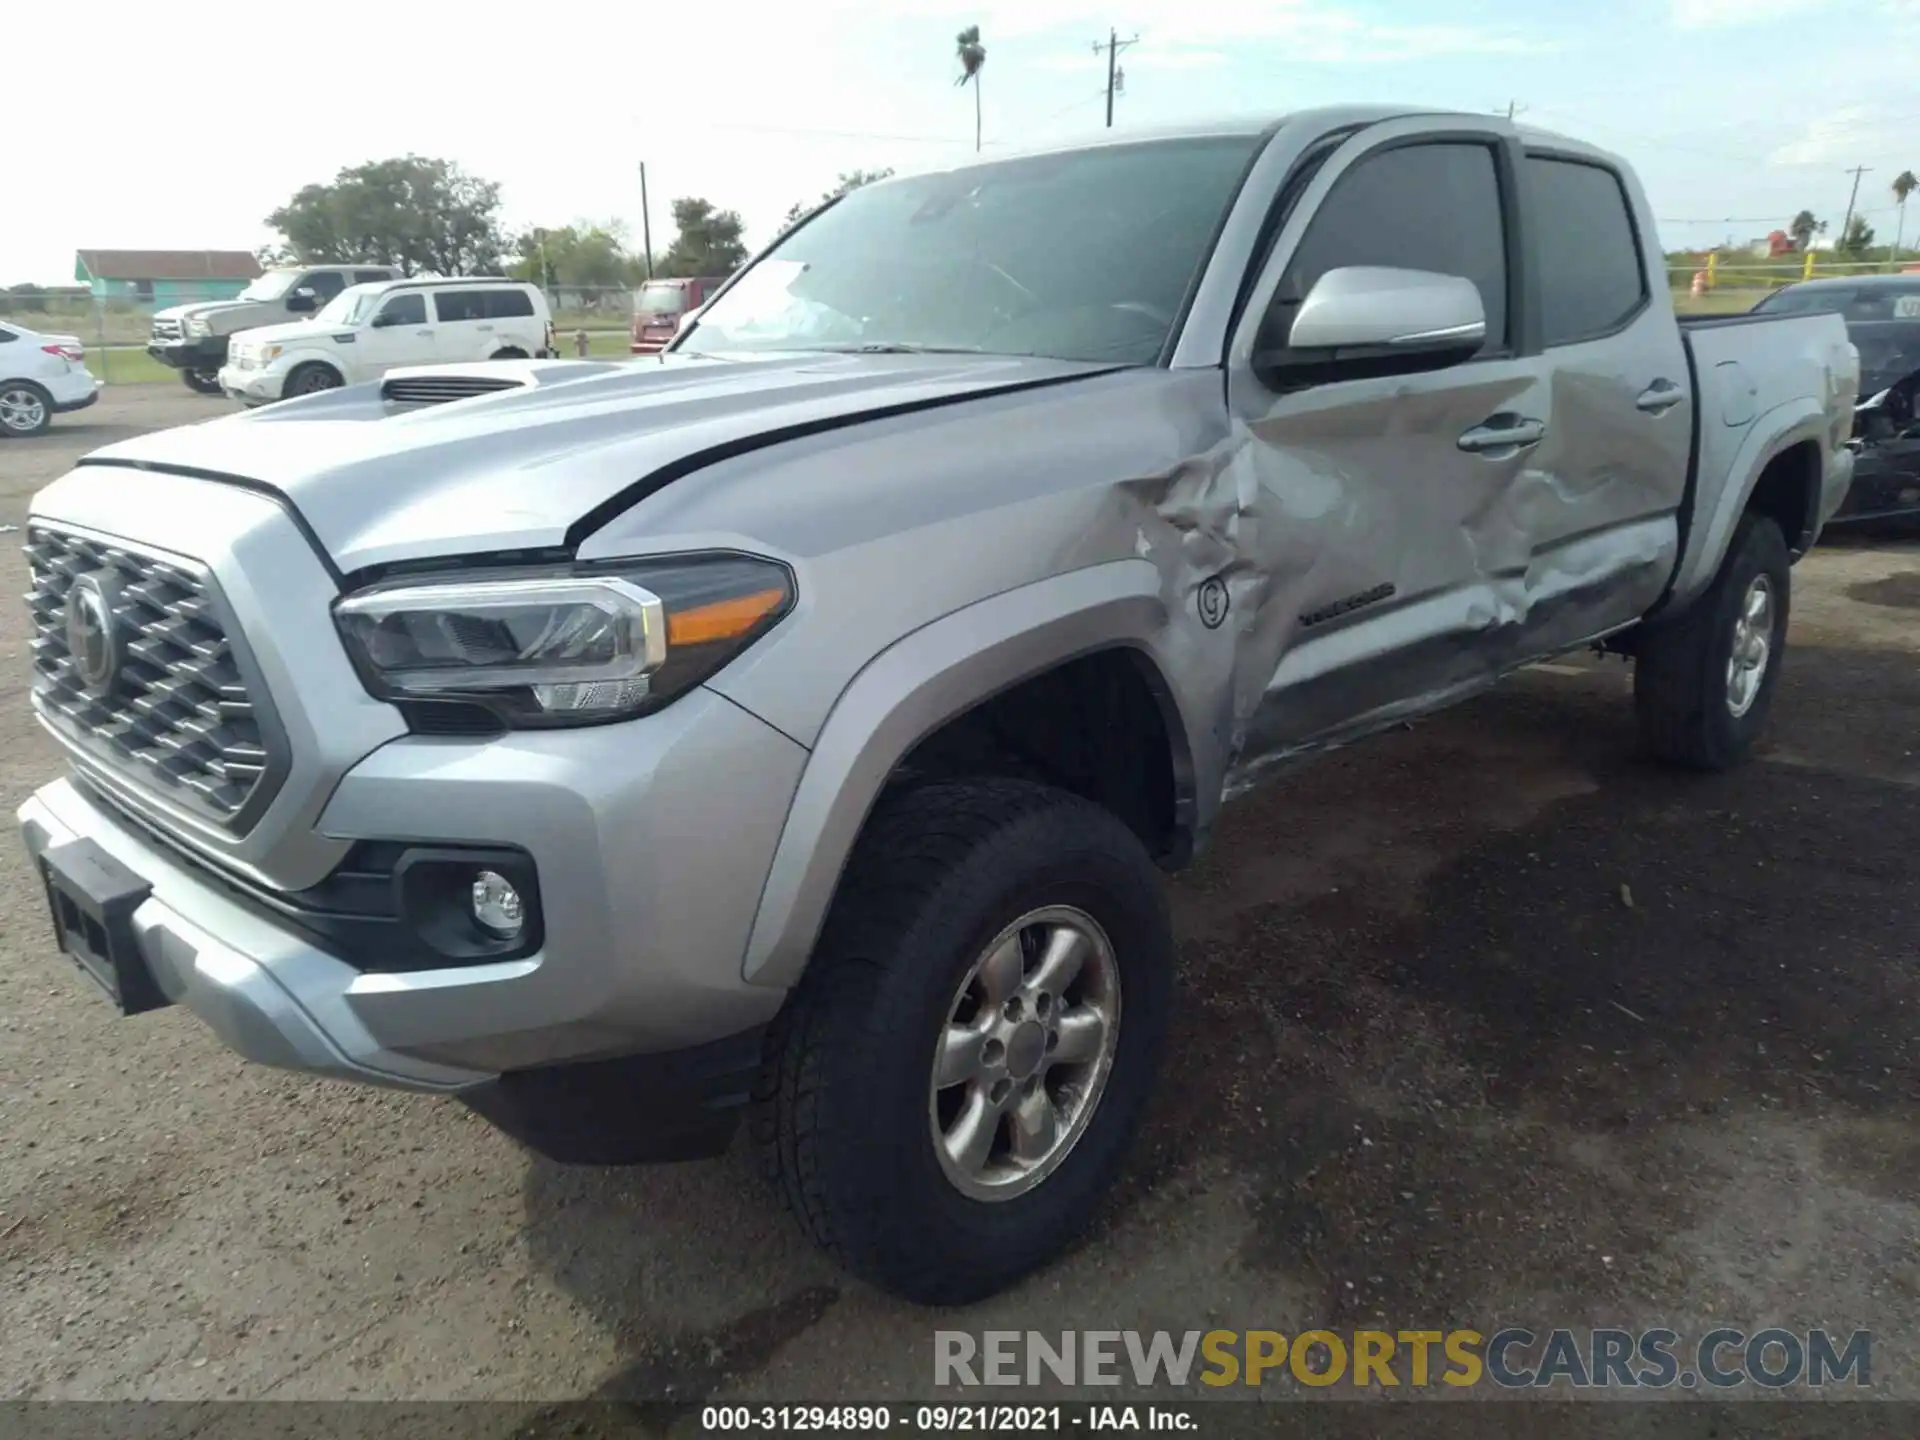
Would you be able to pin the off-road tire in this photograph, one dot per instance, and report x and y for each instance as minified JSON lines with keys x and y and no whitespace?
{"x":512,"y":352}
{"x":1680,"y":677}
{"x":840,"y":1115}
{"x":200,"y":382}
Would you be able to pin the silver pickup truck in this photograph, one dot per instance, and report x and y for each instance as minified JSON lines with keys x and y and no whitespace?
{"x":795,"y":725}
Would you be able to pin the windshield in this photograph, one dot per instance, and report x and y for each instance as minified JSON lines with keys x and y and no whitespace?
{"x":660,"y":300}
{"x":1086,"y":255}
{"x":351,"y":306}
{"x":271,"y":286}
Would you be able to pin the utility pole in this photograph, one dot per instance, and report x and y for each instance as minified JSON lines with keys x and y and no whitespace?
{"x":646,"y":221}
{"x":1115,"y":77}
{"x":1847,"y":224}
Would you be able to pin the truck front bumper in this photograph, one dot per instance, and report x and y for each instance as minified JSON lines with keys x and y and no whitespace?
{"x":628,"y":1035}
{"x":206,"y":354}
{"x":255,"y":387}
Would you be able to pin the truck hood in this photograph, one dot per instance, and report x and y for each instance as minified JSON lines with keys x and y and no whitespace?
{"x":205,"y":308}
{"x":554,"y":448}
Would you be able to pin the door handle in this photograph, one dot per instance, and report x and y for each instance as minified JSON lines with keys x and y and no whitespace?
{"x":1659,"y":397}
{"x":1503,"y":433}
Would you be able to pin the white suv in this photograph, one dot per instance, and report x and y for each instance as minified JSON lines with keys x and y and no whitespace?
{"x":367,"y":330}
{"x":41,"y":376}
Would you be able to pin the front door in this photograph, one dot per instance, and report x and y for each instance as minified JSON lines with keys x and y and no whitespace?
{"x":1391,"y":550}
{"x":402,"y":333}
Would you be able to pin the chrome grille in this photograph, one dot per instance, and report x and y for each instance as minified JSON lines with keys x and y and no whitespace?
{"x":165,"y":330}
{"x":174,"y":713}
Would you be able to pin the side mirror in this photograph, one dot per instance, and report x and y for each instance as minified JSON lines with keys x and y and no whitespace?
{"x":302,"y":301}
{"x":384,"y":319}
{"x":1360,"y":321}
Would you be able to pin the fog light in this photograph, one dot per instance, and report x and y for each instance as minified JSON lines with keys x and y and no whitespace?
{"x":496,"y":905}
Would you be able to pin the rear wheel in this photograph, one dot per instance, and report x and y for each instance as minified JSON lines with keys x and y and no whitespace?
{"x":201,"y":382}
{"x":311,"y":379}
{"x":510,"y":353}
{"x":952,"y":1088}
{"x":1703,"y":685}
{"x":25,"y":409}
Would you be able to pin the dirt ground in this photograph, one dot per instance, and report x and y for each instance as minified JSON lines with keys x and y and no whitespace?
{"x":1487,"y":1022}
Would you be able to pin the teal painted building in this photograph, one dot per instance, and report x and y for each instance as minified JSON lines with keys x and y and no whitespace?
{"x":159,"y":278}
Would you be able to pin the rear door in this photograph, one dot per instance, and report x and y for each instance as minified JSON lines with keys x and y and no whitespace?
{"x":513,"y":322}
{"x":465,"y":332}
{"x":1600,"y":503}
{"x":1381,"y":510}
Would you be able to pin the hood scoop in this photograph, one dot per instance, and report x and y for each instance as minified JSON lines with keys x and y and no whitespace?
{"x":430,"y":389}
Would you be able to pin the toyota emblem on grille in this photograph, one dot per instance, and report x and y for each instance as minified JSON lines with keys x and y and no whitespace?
{"x":92,"y":643}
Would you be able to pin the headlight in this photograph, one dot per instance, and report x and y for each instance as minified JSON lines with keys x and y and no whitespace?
{"x":567,"y":647}
{"x":198,"y":326}
{"x":269,"y":353}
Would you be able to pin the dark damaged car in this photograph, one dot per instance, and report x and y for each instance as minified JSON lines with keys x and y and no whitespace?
{"x":1882,"y":314}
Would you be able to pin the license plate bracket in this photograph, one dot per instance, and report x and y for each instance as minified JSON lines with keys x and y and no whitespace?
{"x":92,"y":897}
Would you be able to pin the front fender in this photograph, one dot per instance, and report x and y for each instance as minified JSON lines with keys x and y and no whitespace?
{"x":910,"y":690}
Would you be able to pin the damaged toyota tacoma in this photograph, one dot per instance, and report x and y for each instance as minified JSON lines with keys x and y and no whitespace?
{"x":794,"y":726}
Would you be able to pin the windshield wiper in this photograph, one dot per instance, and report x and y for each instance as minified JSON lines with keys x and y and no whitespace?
{"x":895,"y":347}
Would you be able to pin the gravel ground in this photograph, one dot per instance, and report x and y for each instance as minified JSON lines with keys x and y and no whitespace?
{"x":1486,"y":1022}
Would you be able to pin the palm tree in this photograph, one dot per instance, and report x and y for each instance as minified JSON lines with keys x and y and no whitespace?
{"x":1904,"y":184}
{"x":972,"y":55}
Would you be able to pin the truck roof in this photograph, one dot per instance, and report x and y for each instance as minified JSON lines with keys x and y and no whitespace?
{"x":1320,"y":118}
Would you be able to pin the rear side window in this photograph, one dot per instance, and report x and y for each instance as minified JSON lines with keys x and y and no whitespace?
{"x":1415,"y":207}
{"x":1591,"y":278}
{"x":508,"y":304}
{"x":460,"y":305}
{"x":326,"y":284}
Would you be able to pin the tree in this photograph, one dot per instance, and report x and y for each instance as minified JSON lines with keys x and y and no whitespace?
{"x":417,"y":213}
{"x":1858,"y":237}
{"x":709,"y":241}
{"x":1904,"y":184}
{"x":973,"y":57}
{"x":1802,"y":228}
{"x":580,"y":256}
{"x":849,"y":180}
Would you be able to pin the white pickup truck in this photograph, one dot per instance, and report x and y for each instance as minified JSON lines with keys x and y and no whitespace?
{"x":797,"y":724}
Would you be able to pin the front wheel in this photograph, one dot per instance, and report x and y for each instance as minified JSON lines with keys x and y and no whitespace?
{"x":201,"y":382}
{"x":25,"y":409}
{"x":953,"y":1086}
{"x":312,"y":379}
{"x":1702,"y":685}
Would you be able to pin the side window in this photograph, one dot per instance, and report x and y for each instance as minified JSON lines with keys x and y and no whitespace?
{"x":1591,"y":277}
{"x":508,"y":304}
{"x":325,"y":284}
{"x":7,"y":336}
{"x":1417,"y":207}
{"x":454,"y":305}
{"x":370,"y":277}
{"x":407,"y":308}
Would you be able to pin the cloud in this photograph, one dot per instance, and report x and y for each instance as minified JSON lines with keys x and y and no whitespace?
{"x":1725,"y":14}
{"x":1830,"y":140}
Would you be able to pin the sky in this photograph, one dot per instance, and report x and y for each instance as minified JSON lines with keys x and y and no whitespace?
{"x":158,"y":134}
